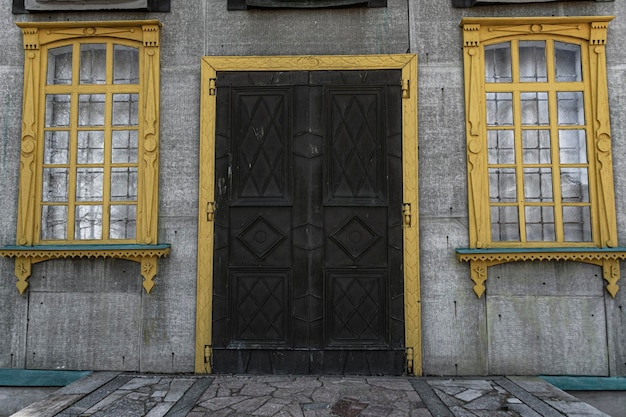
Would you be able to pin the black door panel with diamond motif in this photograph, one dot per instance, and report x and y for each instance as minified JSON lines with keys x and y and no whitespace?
{"x":308,"y":226}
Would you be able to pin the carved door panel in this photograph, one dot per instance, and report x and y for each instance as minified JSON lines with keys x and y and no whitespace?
{"x":308,"y":224}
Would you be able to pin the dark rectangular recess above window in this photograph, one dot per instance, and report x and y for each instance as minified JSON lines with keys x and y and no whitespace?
{"x":47,"y":6}
{"x":470,"y":3}
{"x":302,"y":4}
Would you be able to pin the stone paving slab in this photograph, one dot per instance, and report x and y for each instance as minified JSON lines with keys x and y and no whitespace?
{"x":129,"y":395}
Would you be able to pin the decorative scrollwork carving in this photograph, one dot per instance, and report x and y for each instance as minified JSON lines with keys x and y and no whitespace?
{"x":481,"y":259}
{"x":25,"y":256}
{"x":479,"y":276}
{"x":610,"y":272}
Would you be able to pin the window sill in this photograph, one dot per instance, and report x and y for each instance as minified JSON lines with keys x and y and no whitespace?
{"x":25,"y":256}
{"x":481,"y":259}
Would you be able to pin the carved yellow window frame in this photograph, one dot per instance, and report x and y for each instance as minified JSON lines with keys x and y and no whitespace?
{"x":600,"y":246}
{"x":141,"y":246}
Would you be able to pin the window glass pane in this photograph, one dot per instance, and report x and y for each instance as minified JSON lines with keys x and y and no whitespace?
{"x":570,"y":108}
{"x":499,"y":109}
{"x":536,"y":146}
{"x":124,"y":147}
{"x":502,"y":185}
{"x":88,"y":93}
{"x":93,"y":63}
{"x":540,"y":224}
{"x":88,"y":222}
{"x":56,"y":147}
{"x":576,"y":224}
{"x":54,"y":184}
{"x":90,"y":147}
{"x":60,"y":65}
{"x":538,"y":184}
{"x":89,"y":184}
{"x":501,"y":147}
{"x":573,"y":146}
{"x":125,"y":109}
{"x":504,"y":224}
{"x":567,"y":62}
{"x":125,"y":65}
{"x":91,"y":110}
{"x":535,"y":109}
{"x":574,"y":185}
{"x":498,"y":63}
{"x":532,"y":61}
{"x":123,"y":222}
{"x":57,"y":110}
{"x":53,"y":222}
{"x":124,"y":184}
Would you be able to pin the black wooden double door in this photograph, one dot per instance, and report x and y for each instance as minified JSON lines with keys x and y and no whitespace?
{"x":308,"y":223}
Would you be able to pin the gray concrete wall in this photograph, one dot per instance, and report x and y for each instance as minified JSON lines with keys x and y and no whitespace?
{"x":534,"y":318}
{"x":14,"y":309}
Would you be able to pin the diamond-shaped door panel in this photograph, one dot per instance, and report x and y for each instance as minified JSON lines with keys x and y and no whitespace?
{"x":356,"y":236}
{"x":260,"y":236}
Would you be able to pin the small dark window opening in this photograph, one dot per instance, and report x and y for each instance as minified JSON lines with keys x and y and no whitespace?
{"x":302,"y":4}
{"x":470,"y":3}
{"x":47,"y":6}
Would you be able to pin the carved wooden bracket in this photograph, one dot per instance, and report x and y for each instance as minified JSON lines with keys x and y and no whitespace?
{"x":481,"y":259}
{"x":25,"y":256}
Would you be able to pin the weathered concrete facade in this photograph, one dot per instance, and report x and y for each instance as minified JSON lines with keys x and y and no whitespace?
{"x":536,"y":317}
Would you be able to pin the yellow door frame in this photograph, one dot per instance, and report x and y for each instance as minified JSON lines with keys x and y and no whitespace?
{"x":407,"y":63}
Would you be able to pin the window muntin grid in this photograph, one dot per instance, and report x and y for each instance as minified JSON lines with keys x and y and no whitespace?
{"x":536,"y":133}
{"x":90,"y":154}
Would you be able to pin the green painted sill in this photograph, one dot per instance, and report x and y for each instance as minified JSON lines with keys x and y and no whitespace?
{"x":39,"y":378}
{"x":586,"y":383}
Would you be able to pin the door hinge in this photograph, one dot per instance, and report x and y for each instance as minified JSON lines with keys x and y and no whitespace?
{"x":405,"y":88}
{"x":208,"y":354}
{"x":210,"y":211}
{"x":211,"y":86}
{"x":406,"y":214}
{"x":409,"y":361}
